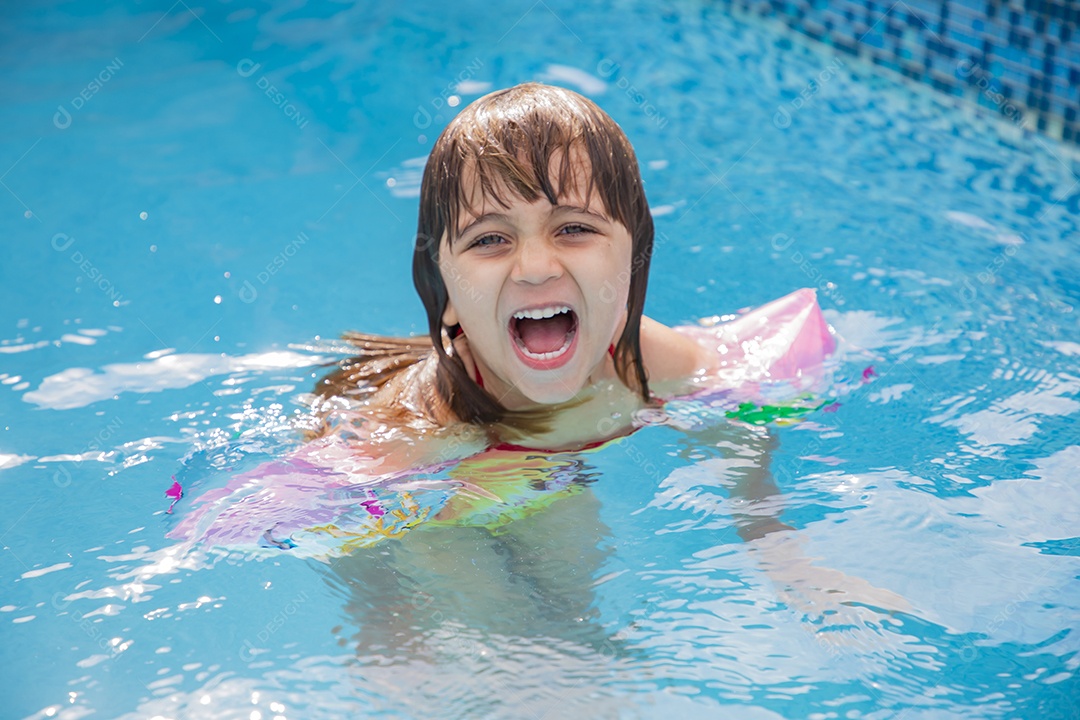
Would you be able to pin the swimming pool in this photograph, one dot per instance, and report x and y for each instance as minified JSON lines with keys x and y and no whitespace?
{"x":196,"y":203}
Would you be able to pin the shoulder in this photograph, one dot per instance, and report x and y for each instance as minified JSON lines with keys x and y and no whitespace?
{"x":671,"y":356}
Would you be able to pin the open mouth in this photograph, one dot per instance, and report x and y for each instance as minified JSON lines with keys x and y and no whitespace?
{"x":544,"y":336}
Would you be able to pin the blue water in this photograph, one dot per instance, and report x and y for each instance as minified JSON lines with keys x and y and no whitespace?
{"x":198,"y":199}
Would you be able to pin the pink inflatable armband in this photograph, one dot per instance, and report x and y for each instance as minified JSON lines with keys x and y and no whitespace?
{"x":784,"y":341}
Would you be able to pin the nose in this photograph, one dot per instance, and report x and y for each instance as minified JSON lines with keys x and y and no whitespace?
{"x":536,"y":262}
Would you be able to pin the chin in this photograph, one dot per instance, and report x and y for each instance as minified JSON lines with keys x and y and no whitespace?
{"x":554,"y":394}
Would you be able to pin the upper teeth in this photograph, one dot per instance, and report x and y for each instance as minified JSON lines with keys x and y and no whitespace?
{"x":541,"y":313}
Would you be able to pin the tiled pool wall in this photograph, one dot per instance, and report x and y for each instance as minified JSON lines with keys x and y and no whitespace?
{"x":1018,"y":58}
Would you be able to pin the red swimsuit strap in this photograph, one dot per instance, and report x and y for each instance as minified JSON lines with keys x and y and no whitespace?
{"x":522,"y":448}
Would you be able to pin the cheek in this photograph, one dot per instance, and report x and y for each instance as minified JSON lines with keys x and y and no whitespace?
{"x":615,"y":292}
{"x":614,"y":282}
{"x":453,"y":280}
{"x":463,"y":289}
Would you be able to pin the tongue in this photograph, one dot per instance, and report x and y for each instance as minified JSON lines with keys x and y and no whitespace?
{"x":544,"y":336}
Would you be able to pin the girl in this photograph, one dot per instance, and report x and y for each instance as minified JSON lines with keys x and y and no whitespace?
{"x":532,"y":258}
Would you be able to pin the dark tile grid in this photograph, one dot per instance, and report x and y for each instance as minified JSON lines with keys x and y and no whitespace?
{"x":1019,"y":58}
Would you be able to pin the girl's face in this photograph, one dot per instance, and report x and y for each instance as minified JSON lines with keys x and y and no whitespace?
{"x":540,"y":292}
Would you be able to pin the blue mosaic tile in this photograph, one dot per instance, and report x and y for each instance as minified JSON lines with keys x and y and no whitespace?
{"x":993,"y":52}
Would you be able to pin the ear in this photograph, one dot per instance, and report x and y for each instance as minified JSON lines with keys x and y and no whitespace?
{"x":449,"y":316}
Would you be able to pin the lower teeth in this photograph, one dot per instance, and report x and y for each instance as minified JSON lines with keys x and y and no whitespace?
{"x":548,"y":355}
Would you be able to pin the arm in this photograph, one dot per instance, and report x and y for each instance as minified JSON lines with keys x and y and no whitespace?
{"x":759,"y":498}
{"x":672,"y":357}
{"x":779,"y":548}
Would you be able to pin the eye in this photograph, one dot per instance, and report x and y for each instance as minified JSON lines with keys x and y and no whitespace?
{"x":576,"y":229}
{"x":485,"y":241}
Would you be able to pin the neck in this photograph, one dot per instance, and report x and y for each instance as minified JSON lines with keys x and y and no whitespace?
{"x":601,"y":411}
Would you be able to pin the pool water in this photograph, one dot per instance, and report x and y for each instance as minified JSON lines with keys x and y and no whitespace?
{"x":197,"y":200}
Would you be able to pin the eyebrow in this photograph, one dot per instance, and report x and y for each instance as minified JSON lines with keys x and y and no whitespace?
{"x":483,"y":218}
{"x":502,"y":216}
{"x":583,"y":211}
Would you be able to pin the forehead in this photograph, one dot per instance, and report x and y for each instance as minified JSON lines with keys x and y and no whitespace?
{"x":490,"y":191}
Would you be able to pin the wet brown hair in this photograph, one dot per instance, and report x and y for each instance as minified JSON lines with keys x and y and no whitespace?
{"x":510,"y":141}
